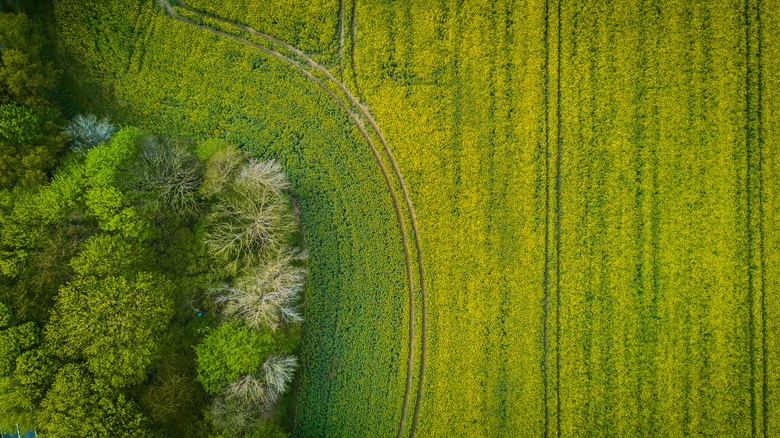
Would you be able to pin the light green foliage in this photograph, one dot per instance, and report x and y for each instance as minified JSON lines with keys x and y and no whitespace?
{"x":207,"y":148}
{"x":35,"y":372}
{"x":16,"y":342}
{"x":104,"y":162}
{"x":22,"y":391}
{"x":15,"y":403}
{"x":77,"y":405}
{"x":106,"y":254}
{"x":112,"y":322}
{"x":103,"y":198}
{"x":13,"y":341}
{"x":230,"y":351}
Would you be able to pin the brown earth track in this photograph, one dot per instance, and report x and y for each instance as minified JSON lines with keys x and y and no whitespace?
{"x":169,"y":9}
{"x":353,"y":27}
{"x":341,"y":39}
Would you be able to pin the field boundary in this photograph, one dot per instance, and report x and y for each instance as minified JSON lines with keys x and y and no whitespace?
{"x":359,"y":123}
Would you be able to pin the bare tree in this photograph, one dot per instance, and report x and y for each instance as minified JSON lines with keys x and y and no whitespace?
{"x":167,"y":177}
{"x":86,"y":131}
{"x":262,"y":389}
{"x":253,"y":390}
{"x":267,"y":295}
{"x":252,"y":218}
{"x":278,"y":371}
{"x":262,"y":175}
{"x":231,"y":416}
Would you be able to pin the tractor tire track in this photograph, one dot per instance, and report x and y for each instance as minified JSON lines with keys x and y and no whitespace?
{"x":761,"y":220}
{"x":558,"y":233}
{"x":353,"y":28}
{"x":748,"y":228}
{"x":341,"y":40}
{"x":363,"y":109}
{"x":545,"y":280}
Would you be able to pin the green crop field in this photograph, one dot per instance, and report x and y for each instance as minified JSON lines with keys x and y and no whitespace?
{"x":594,"y":185}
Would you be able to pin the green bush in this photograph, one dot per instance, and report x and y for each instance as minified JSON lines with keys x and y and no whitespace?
{"x":230,"y":351}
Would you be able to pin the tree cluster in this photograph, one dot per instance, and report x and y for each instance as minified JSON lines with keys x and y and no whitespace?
{"x":30,"y":137}
{"x":247,"y":361}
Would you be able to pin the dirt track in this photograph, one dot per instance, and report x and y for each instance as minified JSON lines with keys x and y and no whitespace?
{"x":363,"y":109}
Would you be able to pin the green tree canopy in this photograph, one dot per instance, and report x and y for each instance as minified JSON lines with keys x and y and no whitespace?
{"x":15,"y":341}
{"x":113,"y":323}
{"x":78,"y":405}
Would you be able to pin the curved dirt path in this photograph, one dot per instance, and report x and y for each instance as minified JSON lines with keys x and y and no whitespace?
{"x":341,"y":40}
{"x":359,"y":123}
{"x":353,"y":27}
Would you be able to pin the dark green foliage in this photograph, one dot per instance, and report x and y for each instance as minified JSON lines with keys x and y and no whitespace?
{"x":16,"y":346}
{"x":30,"y":138}
{"x":26,"y":78}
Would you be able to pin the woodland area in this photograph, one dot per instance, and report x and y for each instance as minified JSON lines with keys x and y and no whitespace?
{"x":148,"y":286}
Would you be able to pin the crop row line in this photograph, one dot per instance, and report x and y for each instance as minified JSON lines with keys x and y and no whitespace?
{"x":172,"y":12}
{"x":759,"y":142}
{"x":558,"y":233}
{"x":545,"y":280}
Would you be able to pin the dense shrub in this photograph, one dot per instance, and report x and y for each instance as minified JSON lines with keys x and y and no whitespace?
{"x":230,"y":351}
{"x":111,"y":323}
